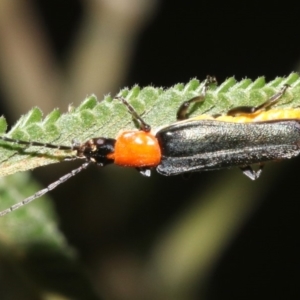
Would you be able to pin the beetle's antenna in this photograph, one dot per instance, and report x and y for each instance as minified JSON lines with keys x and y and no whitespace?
{"x":50,"y":187}
{"x":46,"y":145}
{"x":143,"y":125}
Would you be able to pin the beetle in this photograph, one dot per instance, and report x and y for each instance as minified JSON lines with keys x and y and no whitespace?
{"x":245,"y":136}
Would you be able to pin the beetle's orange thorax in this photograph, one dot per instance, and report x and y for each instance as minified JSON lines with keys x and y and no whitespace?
{"x":136,"y":149}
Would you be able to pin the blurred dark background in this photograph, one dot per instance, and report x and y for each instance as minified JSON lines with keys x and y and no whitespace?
{"x":142,"y":238}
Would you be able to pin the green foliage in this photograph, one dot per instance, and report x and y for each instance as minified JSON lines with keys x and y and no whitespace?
{"x":34,"y":254}
{"x":106,"y":118}
{"x":30,"y":243}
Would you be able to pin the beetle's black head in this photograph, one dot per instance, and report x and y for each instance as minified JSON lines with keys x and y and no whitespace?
{"x":97,"y":150}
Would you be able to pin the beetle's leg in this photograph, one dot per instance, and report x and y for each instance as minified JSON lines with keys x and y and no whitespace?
{"x":252,"y":174}
{"x":253,"y":109}
{"x":144,"y":171}
{"x":182,"y":110}
{"x":143,"y":125}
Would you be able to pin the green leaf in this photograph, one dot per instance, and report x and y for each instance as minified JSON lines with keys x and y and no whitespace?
{"x":34,"y":254}
{"x":106,"y":118}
